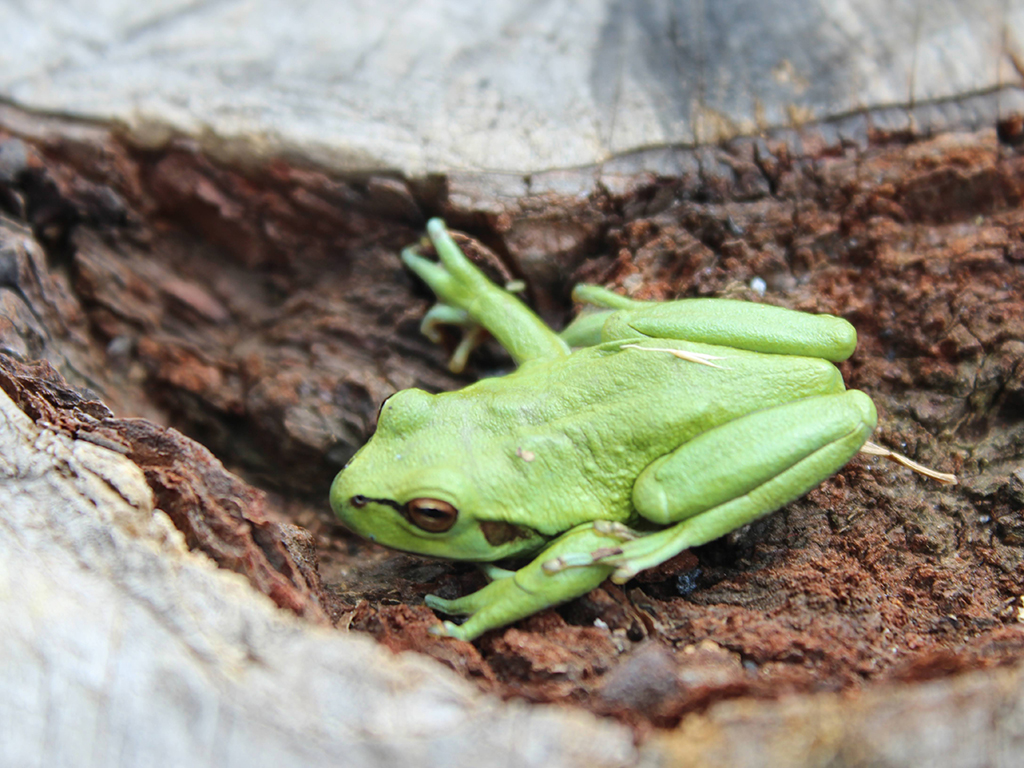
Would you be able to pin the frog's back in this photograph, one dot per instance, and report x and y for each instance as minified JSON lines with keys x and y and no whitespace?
{"x":585,"y":426}
{"x":638,"y":387}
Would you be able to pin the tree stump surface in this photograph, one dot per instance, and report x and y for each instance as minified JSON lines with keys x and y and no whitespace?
{"x":492,"y":86}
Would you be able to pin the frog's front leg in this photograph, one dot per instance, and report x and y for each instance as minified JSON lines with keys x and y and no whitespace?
{"x":528,"y":590}
{"x":462,"y":288}
{"x":740,"y":471}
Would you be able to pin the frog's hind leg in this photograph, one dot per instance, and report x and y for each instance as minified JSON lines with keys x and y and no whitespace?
{"x":737,"y":324}
{"x":740,"y":471}
{"x":599,"y":304}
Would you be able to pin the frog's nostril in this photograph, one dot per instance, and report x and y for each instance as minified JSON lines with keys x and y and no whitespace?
{"x":358,"y":501}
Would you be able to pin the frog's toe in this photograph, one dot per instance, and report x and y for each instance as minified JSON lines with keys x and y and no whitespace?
{"x":422,"y":266}
{"x":448,"y":251}
{"x":442,"y":314}
{"x":580,"y":559}
{"x":444,"y":285}
{"x":568,"y":560}
{"x":472,"y":338}
{"x":616,"y":530}
{"x":625,"y":572}
{"x":466,"y":605}
{"x":436,"y":228}
{"x":447,"y":629}
{"x":473,"y":334}
{"x":602,"y":554}
{"x":440,"y":604}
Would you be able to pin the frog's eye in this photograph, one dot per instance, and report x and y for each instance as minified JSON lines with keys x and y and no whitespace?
{"x":431,"y":514}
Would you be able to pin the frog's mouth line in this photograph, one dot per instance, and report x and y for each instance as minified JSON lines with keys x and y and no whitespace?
{"x":359,"y":501}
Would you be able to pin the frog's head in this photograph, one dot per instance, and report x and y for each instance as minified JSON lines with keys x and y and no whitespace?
{"x":406,"y":490}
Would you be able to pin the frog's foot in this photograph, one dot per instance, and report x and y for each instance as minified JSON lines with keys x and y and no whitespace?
{"x":473,"y":335}
{"x":442,"y":314}
{"x":494,"y":572}
{"x":614,"y":530}
{"x":580,"y":559}
{"x":874,"y":449}
{"x":460,"y":607}
{"x":511,"y":597}
{"x":454,"y":279}
{"x":448,"y":629}
{"x":460,"y":285}
{"x":618,"y":530}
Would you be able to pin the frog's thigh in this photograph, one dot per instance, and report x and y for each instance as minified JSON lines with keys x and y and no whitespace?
{"x":742,"y":470}
{"x":737,"y":324}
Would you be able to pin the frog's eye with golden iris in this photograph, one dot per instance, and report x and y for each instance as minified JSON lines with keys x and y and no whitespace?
{"x":432,"y":515}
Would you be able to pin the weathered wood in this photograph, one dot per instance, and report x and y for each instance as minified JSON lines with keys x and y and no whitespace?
{"x":973,"y":720}
{"x":489,"y":85}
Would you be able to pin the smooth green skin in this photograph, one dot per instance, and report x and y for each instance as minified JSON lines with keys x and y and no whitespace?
{"x":611,"y":458}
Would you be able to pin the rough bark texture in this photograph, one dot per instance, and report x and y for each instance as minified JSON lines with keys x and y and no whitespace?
{"x":266,"y":313}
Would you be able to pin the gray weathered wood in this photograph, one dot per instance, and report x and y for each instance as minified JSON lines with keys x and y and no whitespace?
{"x":973,"y":720}
{"x":497,"y":85}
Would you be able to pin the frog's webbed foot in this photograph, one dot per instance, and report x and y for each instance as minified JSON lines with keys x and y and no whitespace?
{"x":619,"y":557}
{"x":442,"y":314}
{"x":617,"y":531}
{"x":452,"y":608}
{"x":456,"y":283}
{"x":625,"y":559}
{"x":516,"y":595}
{"x":466,"y":298}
